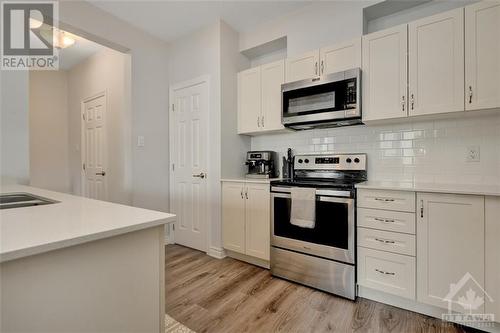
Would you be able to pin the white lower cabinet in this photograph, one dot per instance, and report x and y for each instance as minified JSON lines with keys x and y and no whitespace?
{"x":246,"y":218}
{"x":492,"y":256}
{"x":387,"y":272}
{"x":450,"y":246}
{"x":386,"y":241}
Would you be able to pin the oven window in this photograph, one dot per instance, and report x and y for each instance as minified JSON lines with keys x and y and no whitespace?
{"x":331,"y":227}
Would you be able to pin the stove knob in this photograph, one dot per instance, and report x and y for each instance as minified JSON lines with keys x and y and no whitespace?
{"x":300,"y":160}
{"x":306,"y":160}
{"x":348,"y":160}
{"x":356,"y":160}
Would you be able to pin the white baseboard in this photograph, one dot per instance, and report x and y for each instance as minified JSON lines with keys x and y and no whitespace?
{"x":217,"y":253}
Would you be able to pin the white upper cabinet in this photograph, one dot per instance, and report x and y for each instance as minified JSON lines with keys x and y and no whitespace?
{"x":482,"y":55}
{"x":303,"y":67}
{"x":436,"y":64}
{"x":273,"y":76}
{"x":450,"y":245}
{"x":385,"y":74}
{"x":249,"y":100}
{"x":340,"y":57}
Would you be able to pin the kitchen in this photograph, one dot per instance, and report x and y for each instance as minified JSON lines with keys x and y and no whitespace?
{"x":412,"y":184}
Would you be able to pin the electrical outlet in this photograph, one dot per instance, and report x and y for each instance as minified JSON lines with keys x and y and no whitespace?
{"x":140,"y":141}
{"x":472,"y":154}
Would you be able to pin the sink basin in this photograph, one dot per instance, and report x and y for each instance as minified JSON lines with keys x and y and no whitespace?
{"x":18,"y":200}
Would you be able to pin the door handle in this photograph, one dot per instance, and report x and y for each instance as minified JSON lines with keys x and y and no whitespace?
{"x":322,"y":67}
{"x":102,"y":173}
{"x":403,"y":103}
{"x":316,"y":68}
{"x":258,"y":121}
{"x":470,"y":94}
{"x":412,"y":101}
{"x":200,"y":175}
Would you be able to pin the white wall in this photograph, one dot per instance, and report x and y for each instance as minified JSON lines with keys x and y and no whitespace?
{"x":319,"y":24}
{"x":233,"y":146}
{"x":149,"y":97}
{"x":104,"y":71}
{"x":14,"y":128}
{"x":48,"y":130}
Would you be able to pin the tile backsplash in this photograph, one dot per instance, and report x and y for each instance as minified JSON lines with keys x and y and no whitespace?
{"x":420,"y":151}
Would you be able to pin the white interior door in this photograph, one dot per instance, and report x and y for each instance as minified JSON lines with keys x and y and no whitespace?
{"x":189,"y":146}
{"x":94,"y":147}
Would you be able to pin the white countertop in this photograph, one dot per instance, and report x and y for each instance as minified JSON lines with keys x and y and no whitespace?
{"x":249,"y":180}
{"x":475,"y":189}
{"x":73,"y":220}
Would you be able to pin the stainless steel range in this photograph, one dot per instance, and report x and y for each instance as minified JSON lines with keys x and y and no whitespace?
{"x":320,"y":252}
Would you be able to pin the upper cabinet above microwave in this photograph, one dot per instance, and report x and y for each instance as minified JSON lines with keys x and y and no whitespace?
{"x":330,"y":59}
{"x":431,"y":51}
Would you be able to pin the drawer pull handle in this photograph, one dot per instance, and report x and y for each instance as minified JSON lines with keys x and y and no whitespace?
{"x":385,"y":241}
{"x":383,"y":272}
{"x":383,"y":220}
{"x":384,"y":199}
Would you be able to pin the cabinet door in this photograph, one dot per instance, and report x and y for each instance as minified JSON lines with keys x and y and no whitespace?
{"x":273,"y":76}
{"x":450,"y":244}
{"x":233,"y":216}
{"x":492,"y":259}
{"x":340,"y":57}
{"x":303,"y":67}
{"x":249,"y":100}
{"x":257,"y":213}
{"x":385,"y":74}
{"x":436,"y":63}
{"x":482,"y":55}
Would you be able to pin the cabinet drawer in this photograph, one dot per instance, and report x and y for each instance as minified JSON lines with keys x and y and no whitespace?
{"x":386,"y":220}
{"x":387,"y":272}
{"x":392,"y":200}
{"x":387,"y":241}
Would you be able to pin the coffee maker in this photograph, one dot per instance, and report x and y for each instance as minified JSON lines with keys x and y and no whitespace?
{"x":261,"y":164}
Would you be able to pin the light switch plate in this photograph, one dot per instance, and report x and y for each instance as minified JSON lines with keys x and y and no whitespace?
{"x":473,"y":154}
{"x":140,"y":141}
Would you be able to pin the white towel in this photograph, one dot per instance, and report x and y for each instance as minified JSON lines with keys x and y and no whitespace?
{"x":303,"y":207}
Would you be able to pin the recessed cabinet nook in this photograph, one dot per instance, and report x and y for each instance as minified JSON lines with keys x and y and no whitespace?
{"x":441,"y":64}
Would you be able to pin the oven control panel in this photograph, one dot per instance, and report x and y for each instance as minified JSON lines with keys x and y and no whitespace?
{"x":330,"y":162}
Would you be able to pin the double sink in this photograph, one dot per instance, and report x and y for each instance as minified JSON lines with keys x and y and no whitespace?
{"x":19,"y":200}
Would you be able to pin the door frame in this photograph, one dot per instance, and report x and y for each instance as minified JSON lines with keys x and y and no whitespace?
{"x":82,"y":140}
{"x":172,"y":88}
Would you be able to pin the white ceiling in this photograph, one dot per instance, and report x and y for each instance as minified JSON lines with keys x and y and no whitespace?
{"x":78,"y":52}
{"x":170,"y":20}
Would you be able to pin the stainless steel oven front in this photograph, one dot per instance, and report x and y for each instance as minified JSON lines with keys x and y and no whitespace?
{"x":332,"y":237}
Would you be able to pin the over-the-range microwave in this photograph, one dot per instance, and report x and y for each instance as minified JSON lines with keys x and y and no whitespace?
{"x":328,"y":101}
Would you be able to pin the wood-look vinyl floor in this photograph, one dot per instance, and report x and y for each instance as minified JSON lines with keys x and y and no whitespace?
{"x":211,"y":295}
